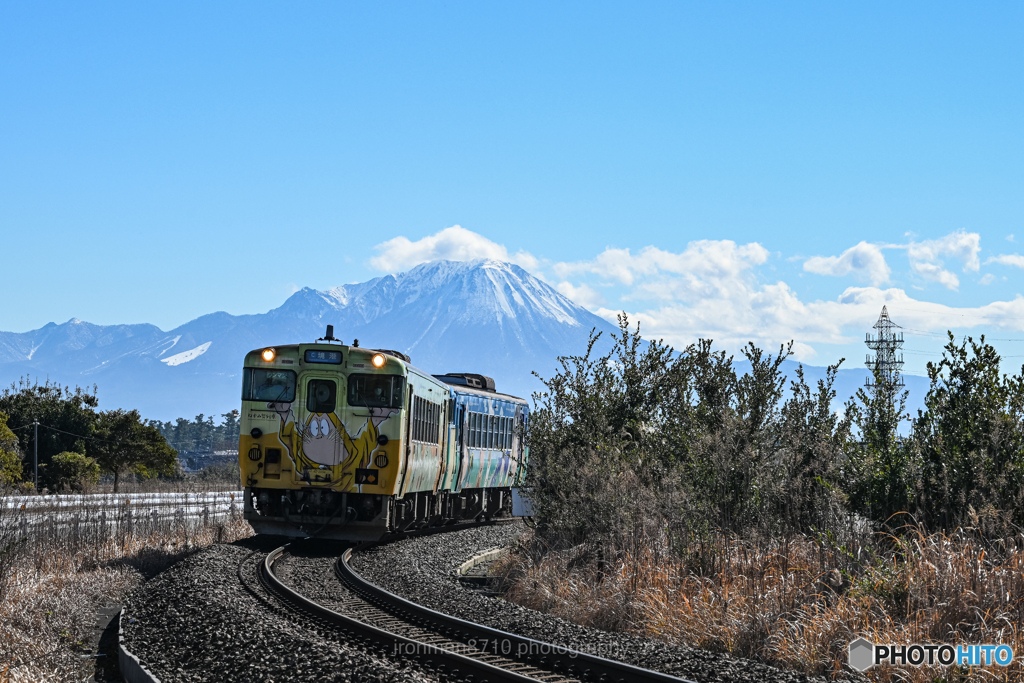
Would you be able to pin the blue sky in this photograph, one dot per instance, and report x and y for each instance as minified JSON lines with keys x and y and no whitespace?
{"x":740,"y":171}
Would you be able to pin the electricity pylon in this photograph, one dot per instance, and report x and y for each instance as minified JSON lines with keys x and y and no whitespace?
{"x":886,"y":364}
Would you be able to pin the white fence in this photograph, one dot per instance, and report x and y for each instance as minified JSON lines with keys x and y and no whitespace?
{"x":120,"y":513}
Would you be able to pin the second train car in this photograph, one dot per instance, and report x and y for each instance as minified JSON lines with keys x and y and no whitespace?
{"x":344,"y":442}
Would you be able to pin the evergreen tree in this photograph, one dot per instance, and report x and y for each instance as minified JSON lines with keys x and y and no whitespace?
{"x":124,"y":444}
{"x":68,"y":418}
{"x":883,"y":468}
{"x":971,"y":439}
{"x":10,"y":459}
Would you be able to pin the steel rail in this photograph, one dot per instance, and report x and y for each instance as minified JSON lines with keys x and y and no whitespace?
{"x":429,"y":654}
{"x":547,"y":656}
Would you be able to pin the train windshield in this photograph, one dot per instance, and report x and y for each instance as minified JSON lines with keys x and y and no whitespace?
{"x":268,"y":385}
{"x":375,"y":391}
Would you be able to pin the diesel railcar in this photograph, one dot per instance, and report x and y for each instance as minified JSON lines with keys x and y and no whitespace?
{"x":343,"y":442}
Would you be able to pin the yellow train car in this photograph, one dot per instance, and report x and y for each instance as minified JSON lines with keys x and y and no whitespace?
{"x":344,"y":442}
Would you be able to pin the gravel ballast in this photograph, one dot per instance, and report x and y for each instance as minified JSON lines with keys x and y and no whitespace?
{"x":422,"y":570}
{"x":197,"y":621}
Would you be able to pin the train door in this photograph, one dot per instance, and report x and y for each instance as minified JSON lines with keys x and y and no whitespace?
{"x":461,"y":445}
{"x":407,"y":460}
{"x":518,"y":432}
{"x":442,"y":444}
{"x":318,"y":426}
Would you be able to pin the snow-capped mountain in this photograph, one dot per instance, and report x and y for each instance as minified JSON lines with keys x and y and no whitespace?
{"x":480,"y":316}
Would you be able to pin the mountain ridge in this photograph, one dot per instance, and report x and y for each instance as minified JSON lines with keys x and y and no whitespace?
{"x":485,"y":316}
{"x":482,"y":316}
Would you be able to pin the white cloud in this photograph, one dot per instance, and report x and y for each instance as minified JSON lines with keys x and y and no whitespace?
{"x":864,"y":261}
{"x":717,"y":289}
{"x":1015,"y":260}
{"x":987,"y":279}
{"x":927,"y":257}
{"x":451,"y":244}
{"x":772,"y":314}
{"x":584,"y":295}
{"x":702,"y":259}
{"x":1009,"y":238}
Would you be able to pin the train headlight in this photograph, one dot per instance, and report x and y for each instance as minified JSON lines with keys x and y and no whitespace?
{"x":378,"y":360}
{"x":269,"y":354}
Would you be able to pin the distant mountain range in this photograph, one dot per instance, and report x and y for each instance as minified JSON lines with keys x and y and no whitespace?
{"x":481,"y":316}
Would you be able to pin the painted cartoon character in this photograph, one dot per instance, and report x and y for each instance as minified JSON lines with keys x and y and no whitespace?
{"x":321,"y":439}
{"x":324,"y":444}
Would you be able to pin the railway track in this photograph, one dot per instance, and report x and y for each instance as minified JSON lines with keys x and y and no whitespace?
{"x":376,"y":620}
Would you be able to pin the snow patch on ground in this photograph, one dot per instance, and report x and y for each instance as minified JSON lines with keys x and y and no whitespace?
{"x":186,"y":356}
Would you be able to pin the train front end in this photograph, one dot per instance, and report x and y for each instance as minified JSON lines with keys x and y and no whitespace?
{"x":321,"y":434}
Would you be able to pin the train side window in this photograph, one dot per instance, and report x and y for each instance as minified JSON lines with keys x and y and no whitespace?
{"x":508,"y":432}
{"x":474,"y":432}
{"x":416,"y":418}
{"x":419,"y":420}
{"x":437,"y":418}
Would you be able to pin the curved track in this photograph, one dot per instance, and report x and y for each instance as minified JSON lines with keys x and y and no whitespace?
{"x":378,"y":620}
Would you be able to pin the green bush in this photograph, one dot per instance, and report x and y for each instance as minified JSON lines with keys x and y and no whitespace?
{"x":10,"y":460}
{"x":970,"y":441}
{"x":72,"y":471}
{"x":644,"y":442}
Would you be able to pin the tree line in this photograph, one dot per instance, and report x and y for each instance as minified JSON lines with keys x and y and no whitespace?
{"x":201,"y":435}
{"x":648,"y":442}
{"x":76,"y":443}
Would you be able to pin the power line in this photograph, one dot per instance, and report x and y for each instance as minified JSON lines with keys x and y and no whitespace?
{"x":83,"y":436}
{"x":940,"y":335}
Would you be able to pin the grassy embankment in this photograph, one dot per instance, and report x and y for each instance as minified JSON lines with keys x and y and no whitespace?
{"x":795,"y":605}
{"x":54,"y":578}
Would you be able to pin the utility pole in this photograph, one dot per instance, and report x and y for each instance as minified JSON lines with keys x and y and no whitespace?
{"x":35,"y":445}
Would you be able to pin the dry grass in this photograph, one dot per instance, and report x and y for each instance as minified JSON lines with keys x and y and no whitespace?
{"x":62,"y":574}
{"x":776,"y":602}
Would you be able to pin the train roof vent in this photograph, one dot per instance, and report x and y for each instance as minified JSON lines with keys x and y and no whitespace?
{"x":469,"y":379}
{"x":396,"y":354}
